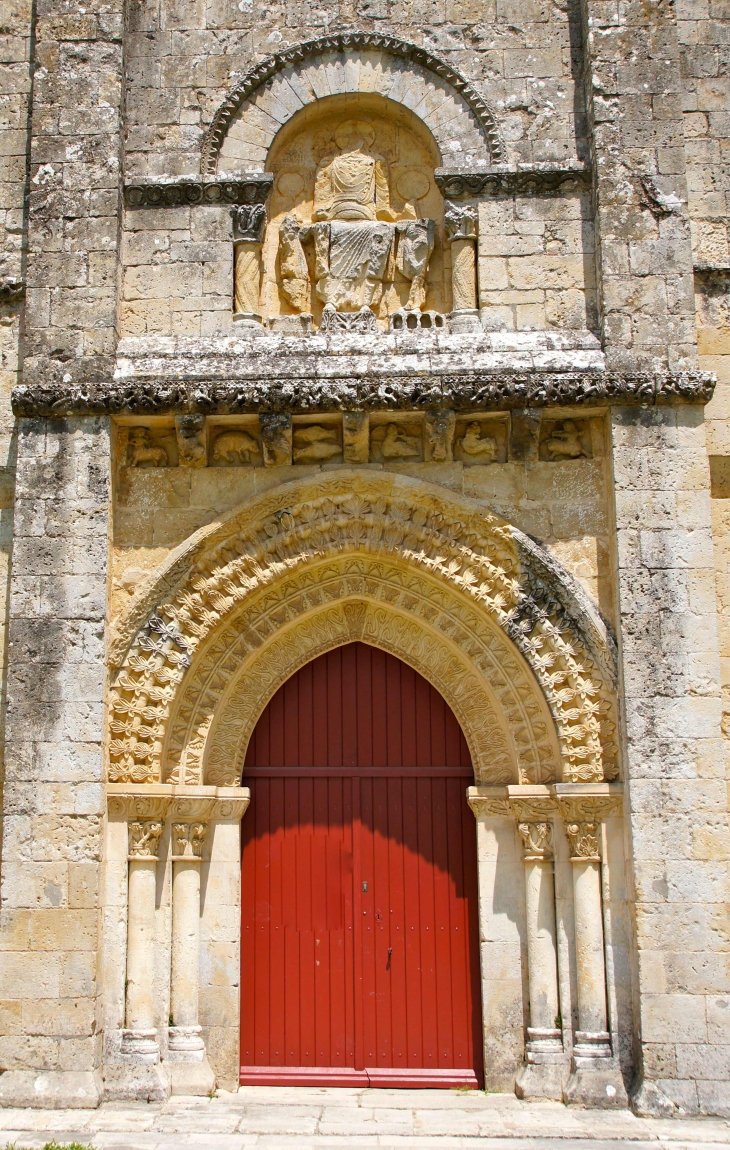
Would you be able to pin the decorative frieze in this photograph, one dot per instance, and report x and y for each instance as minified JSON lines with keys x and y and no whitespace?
{"x":250,"y":189}
{"x":478,"y":391}
{"x":537,"y":181}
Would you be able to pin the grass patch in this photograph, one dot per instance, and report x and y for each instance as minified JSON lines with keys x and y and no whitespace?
{"x":51,"y":1146}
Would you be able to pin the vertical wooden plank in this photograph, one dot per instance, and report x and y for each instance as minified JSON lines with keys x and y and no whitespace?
{"x":330,"y":996}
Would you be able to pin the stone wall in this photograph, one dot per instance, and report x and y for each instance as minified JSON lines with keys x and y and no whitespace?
{"x":54,"y":800}
{"x":675,"y":756}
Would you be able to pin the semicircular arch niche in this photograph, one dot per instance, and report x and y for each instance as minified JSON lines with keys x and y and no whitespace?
{"x":464,"y":598}
{"x":458,"y":117}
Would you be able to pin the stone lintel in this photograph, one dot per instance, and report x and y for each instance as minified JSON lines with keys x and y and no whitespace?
{"x":488,"y":391}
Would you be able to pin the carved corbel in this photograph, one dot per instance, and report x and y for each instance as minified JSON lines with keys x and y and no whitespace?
{"x":249,"y":224}
{"x":461,"y":222}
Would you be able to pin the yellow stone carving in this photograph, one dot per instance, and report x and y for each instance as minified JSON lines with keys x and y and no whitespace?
{"x":444,"y":587}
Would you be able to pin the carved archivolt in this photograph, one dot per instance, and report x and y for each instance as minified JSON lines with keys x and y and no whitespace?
{"x":436,"y":579}
{"x":245,"y":125}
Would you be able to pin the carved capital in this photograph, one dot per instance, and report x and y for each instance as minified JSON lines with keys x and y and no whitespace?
{"x":249,"y":222}
{"x":144,"y":838}
{"x":537,"y":841}
{"x":460,"y":222}
{"x":488,"y":802}
{"x":582,"y":809}
{"x":188,"y":840}
{"x":583,"y":839}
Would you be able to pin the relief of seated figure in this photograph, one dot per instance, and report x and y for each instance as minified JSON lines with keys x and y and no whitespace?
{"x":359,"y":241}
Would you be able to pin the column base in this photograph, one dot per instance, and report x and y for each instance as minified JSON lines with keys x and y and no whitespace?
{"x":196,"y":1078}
{"x":125,"y":1080}
{"x":249,"y":320}
{"x":184,"y":1044}
{"x":291,"y":324}
{"x":546,"y":1065}
{"x":600,"y":1087}
{"x":51,"y":1089}
{"x":141,"y":1046}
{"x":461,"y":322}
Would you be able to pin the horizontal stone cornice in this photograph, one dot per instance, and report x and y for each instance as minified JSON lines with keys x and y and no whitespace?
{"x":538,"y":180}
{"x":251,"y":188}
{"x":532,"y":802}
{"x":480,"y":391}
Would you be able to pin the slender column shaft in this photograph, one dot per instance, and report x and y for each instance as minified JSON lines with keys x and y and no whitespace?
{"x":185,"y":941}
{"x":591,"y":964}
{"x":464,"y":273}
{"x":247,"y":277}
{"x":541,"y":948}
{"x":141,"y":944}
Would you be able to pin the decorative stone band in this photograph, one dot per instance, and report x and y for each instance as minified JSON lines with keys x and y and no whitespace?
{"x":581,"y":806}
{"x":252,"y":188}
{"x":484,"y":391}
{"x":345,"y":42}
{"x":546,"y":179}
{"x":190,"y":808}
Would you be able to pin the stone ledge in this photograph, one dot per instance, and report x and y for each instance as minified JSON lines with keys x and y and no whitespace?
{"x":250,"y":188}
{"x":532,"y":180}
{"x":482,"y":391}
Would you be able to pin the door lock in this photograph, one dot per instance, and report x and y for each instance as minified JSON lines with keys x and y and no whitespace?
{"x":365,"y":887}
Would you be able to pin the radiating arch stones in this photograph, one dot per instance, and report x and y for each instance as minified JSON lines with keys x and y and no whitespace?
{"x":459,"y":118}
{"x":465,"y":598}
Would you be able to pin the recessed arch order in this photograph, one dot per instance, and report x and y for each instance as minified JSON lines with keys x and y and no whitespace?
{"x":461,"y":596}
{"x":459,"y":118}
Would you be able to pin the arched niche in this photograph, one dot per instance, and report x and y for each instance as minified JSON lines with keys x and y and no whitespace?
{"x":355,"y":63}
{"x":410,"y":153}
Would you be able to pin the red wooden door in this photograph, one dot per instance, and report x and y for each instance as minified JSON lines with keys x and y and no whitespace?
{"x":359,"y":948}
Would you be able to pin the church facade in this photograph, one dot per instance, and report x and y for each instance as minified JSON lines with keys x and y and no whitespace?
{"x":365,"y":498}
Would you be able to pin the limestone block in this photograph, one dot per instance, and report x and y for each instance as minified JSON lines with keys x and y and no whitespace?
{"x":61,"y":1090}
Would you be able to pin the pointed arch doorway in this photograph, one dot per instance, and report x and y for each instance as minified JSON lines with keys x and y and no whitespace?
{"x":359,"y":945}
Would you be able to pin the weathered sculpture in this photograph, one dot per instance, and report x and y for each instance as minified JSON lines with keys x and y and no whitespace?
{"x":359,"y":244}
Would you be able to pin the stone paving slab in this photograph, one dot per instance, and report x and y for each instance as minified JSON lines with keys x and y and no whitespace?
{"x":326,"y":1118}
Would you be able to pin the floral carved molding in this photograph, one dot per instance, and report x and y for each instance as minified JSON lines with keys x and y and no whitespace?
{"x":472,"y":391}
{"x":468,"y":600}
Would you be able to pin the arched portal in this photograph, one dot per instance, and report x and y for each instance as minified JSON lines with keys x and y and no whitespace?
{"x":359,"y":949}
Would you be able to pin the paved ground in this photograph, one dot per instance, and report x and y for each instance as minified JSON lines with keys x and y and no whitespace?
{"x":288,"y":1118}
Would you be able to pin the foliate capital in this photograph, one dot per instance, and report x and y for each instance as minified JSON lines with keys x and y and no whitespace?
{"x":188,"y":840}
{"x":144,"y":838}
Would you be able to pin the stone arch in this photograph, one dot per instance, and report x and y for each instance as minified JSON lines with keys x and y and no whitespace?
{"x":244,"y":126}
{"x":424,"y":571}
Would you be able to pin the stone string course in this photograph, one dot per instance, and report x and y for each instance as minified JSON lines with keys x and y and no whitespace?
{"x":482,"y":392}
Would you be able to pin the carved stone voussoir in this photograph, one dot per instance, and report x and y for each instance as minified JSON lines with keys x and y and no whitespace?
{"x":250,"y":189}
{"x":347,"y":42}
{"x":484,"y":391}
